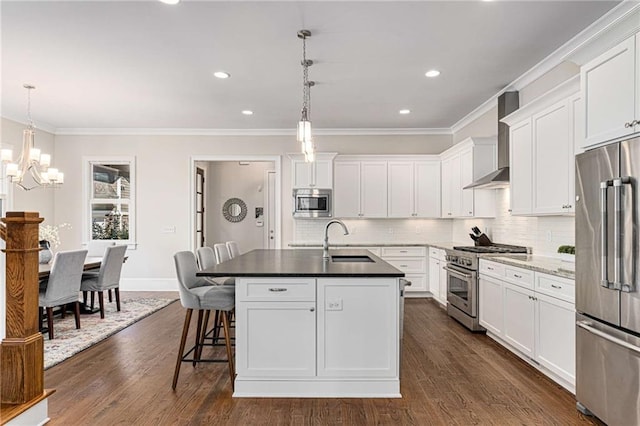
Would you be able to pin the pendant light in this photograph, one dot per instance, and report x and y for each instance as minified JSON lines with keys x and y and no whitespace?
{"x":304,"y":125}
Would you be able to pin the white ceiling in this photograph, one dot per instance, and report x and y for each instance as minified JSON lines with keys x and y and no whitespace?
{"x":144,"y":64}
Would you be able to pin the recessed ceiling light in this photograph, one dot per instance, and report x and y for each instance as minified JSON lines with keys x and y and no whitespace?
{"x":170,"y":1}
{"x":221,"y":74}
{"x":247,"y":112}
{"x":405,"y":111}
{"x":432,"y":73}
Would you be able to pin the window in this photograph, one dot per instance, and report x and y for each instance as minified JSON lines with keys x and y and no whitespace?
{"x":110,"y":206}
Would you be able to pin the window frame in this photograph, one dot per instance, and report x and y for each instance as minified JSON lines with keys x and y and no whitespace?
{"x":88,"y":200}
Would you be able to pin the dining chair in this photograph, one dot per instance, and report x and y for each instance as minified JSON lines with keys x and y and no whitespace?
{"x":196,"y":293}
{"x":234,"y":250}
{"x":108,"y":277}
{"x":63,"y":285}
{"x":97,"y":248}
{"x":222,"y":253}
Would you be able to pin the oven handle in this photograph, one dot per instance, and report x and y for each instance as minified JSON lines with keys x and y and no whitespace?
{"x":456,"y":272}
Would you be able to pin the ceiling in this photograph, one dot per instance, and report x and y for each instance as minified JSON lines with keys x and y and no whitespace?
{"x":144,"y":64}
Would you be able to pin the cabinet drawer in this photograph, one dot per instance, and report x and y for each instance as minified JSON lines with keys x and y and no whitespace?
{"x":418,"y":283}
{"x":518,"y":276}
{"x":553,"y":286}
{"x":402,"y":251}
{"x":437,"y":253}
{"x":408,"y":265}
{"x":288,"y":289}
{"x":492,"y":268}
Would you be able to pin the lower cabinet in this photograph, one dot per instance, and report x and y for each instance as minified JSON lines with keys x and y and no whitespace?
{"x":413,"y":262}
{"x":357,"y":327}
{"x":537,"y":326}
{"x":438,"y":275}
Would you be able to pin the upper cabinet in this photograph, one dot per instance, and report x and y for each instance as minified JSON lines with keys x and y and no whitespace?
{"x":386,"y":186}
{"x":611,"y":88}
{"x":316,"y":174}
{"x":542,"y":138}
{"x":463,"y":163}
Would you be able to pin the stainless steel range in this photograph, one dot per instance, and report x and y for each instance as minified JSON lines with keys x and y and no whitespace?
{"x":462,"y":281}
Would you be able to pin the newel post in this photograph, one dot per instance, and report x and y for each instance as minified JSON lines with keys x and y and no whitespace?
{"x":22,"y":350}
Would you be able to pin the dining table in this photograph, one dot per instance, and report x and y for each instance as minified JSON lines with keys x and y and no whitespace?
{"x":90,"y":263}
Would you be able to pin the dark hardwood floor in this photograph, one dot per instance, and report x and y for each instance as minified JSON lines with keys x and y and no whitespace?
{"x":449,"y":377}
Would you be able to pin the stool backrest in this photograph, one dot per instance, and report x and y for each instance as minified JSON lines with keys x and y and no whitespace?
{"x":186,"y":269}
{"x":234,"y":250}
{"x":206,"y":257}
{"x":222,"y":253}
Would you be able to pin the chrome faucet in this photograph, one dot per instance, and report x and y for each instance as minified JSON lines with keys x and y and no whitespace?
{"x":325,"y":245}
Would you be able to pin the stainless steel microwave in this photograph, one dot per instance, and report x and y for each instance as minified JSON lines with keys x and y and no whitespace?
{"x":308,"y":202}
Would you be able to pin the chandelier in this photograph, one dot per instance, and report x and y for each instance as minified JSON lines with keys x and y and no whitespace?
{"x":31,"y":170}
{"x":304,"y":125}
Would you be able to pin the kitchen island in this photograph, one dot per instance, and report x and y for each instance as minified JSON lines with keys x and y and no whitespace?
{"x":309,"y":327}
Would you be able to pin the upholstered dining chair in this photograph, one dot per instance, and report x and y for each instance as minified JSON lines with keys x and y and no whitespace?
{"x":234,"y":250}
{"x":108,"y":277}
{"x":207,"y":259}
{"x":222,"y":253}
{"x":196,"y":293}
{"x":63,"y":285}
{"x":96,"y":249}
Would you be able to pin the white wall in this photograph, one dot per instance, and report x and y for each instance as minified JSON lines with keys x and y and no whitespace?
{"x":229,"y":179}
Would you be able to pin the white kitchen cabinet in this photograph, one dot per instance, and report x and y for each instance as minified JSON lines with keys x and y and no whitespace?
{"x":414,"y":188}
{"x":463,"y":163}
{"x":519,"y":318}
{"x":542,"y":149}
{"x":357,"y":328}
{"x":360,"y":189}
{"x":491,"y":305}
{"x":413,"y":262}
{"x":315,"y":174}
{"x":610,"y":84}
{"x":532,"y":314}
{"x":556,"y":336}
{"x":437,"y":275}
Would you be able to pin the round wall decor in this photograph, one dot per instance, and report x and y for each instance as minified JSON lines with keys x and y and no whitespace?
{"x":234,"y":210}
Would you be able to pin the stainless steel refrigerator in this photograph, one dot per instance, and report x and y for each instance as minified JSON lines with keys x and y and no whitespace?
{"x":607,"y":298}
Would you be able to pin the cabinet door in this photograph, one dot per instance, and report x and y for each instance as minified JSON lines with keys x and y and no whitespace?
{"x":401,"y":189}
{"x":358,"y":327}
{"x":556,"y":336}
{"x":466,"y":177}
{"x":491,"y":306}
{"x":427,"y":189}
{"x":373,"y":188}
{"x":445,"y":185}
{"x":346,"y":191}
{"x":456,"y":187}
{"x":281,"y":336}
{"x":322,"y":173}
{"x":443,"y":284}
{"x":434,"y":277}
{"x":520,"y":148}
{"x":519,"y":318}
{"x":301,"y":172}
{"x":609,"y":88}
{"x":551,"y":153}
{"x":576,"y":128}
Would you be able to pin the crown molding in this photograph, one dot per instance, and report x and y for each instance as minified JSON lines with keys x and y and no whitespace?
{"x":39,"y":125}
{"x":246,"y":132}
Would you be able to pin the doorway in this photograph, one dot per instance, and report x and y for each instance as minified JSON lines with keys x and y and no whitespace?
{"x":240,"y":199}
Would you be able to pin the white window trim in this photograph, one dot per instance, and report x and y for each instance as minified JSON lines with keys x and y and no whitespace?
{"x":132,"y":242}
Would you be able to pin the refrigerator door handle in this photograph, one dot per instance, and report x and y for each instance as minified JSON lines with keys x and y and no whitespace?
{"x":604,"y":233}
{"x":617,"y":231}
{"x":586,"y":325}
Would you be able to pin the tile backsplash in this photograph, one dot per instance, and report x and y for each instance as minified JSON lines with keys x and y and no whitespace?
{"x":543,"y":234}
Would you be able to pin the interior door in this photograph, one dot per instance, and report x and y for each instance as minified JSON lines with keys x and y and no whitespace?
{"x":630,"y":297}
{"x":270,"y":219}
{"x":592,"y":168}
{"x":199,"y":219}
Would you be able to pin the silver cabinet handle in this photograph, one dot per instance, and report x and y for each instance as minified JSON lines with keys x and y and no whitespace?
{"x":585,"y":325}
{"x":490,"y":268}
{"x":403,"y":251}
{"x":277,"y":289}
{"x":627,"y":125}
{"x":517,"y":276}
{"x":604,"y":233}
{"x":404,"y":266}
{"x":556,"y":286}
{"x":312,"y":309}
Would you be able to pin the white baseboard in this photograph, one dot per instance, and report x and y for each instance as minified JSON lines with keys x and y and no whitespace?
{"x":149,"y":284}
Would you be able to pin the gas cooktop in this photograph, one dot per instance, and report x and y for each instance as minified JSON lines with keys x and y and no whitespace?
{"x":497,"y":248}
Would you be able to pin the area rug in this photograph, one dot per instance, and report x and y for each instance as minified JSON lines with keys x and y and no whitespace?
{"x":68,"y":341}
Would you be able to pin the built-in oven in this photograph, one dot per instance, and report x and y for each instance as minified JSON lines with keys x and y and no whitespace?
{"x":462,"y":289}
{"x":311,"y":202}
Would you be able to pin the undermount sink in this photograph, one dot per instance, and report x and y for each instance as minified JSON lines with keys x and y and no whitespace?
{"x":350,"y":258}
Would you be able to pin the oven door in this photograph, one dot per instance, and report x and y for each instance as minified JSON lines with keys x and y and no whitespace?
{"x":462,"y":288}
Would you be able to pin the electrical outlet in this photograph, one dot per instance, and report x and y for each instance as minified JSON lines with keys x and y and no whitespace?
{"x":549,"y":236}
{"x":334,"y":304}
{"x":418,"y":230}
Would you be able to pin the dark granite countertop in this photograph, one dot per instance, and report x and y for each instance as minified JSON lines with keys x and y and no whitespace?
{"x":300,"y":263}
{"x":356,"y":245}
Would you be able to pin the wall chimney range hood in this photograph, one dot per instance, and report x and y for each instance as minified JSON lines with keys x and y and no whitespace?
{"x":507,"y":103}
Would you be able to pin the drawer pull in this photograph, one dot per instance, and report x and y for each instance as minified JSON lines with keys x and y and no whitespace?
{"x":312,"y":309}
{"x":556,"y":286}
{"x":490,"y":268}
{"x":403,"y":251}
{"x":517,"y":276}
{"x":404,"y":266}
{"x":277,"y":289}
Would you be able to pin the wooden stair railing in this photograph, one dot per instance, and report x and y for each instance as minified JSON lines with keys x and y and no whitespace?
{"x":21,"y":351}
